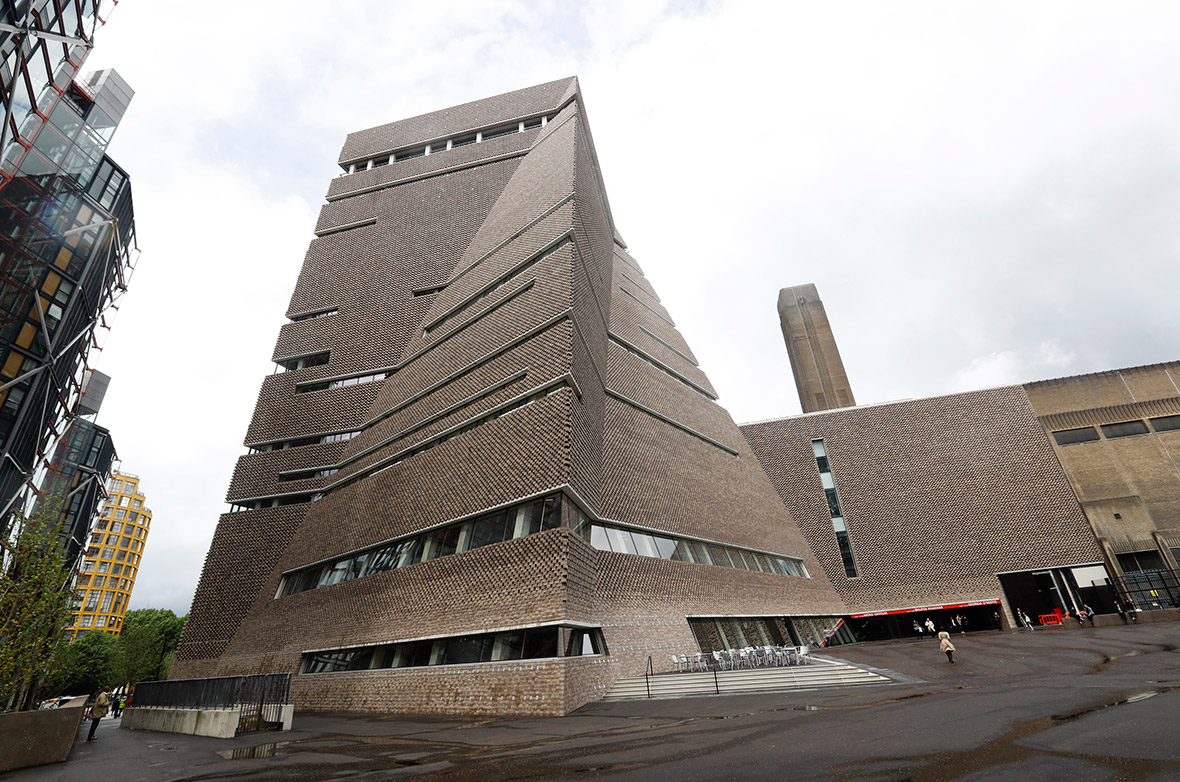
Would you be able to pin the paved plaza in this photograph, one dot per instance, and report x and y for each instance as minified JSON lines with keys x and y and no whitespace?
{"x":1093,"y":704}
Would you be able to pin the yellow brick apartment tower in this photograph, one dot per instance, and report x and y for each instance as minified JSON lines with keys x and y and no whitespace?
{"x":112,"y":558}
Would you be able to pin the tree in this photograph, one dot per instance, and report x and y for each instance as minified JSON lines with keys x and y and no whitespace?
{"x":35,"y":590}
{"x":85,"y":665}
{"x":146,"y":643}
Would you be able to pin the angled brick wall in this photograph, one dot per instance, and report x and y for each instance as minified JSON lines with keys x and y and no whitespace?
{"x":509,"y":347}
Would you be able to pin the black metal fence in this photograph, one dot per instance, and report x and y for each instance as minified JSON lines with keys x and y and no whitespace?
{"x":1152,"y":589}
{"x":261,"y":698}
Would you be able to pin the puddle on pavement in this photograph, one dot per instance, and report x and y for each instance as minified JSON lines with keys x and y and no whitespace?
{"x":1007,"y":749}
{"x":1139,"y":696}
{"x":260,"y":751}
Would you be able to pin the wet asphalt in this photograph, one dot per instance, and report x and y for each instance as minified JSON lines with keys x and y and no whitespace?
{"x":1094,"y":704}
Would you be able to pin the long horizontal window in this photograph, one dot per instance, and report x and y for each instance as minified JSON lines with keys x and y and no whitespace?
{"x":1124,"y":429}
{"x":1084,"y":434}
{"x":299,"y":441}
{"x":304,"y":388}
{"x":517,"y":521}
{"x":305,"y":474}
{"x":1166,"y":423}
{"x":275,"y":502}
{"x":442,"y":145}
{"x":631,"y":541}
{"x":535,"y":643}
{"x":313,"y":315}
{"x":506,"y":524}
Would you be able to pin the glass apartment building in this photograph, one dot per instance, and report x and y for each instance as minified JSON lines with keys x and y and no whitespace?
{"x":67,"y":235}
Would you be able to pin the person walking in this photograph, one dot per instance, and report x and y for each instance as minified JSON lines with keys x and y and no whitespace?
{"x":1089,"y":613}
{"x":1023,"y":617}
{"x":101,"y":704}
{"x":945,"y":645}
{"x":930,"y":626}
{"x":917,"y":628}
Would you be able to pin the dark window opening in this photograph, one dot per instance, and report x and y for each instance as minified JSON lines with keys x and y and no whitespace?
{"x":1124,"y":429}
{"x":314,"y":315}
{"x":304,"y":362}
{"x":846,"y":554}
{"x":506,"y":130}
{"x":1166,"y":423}
{"x":1084,"y":434}
{"x":1141,"y":561}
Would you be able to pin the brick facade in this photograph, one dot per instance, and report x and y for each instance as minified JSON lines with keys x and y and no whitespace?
{"x":939,"y":496}
{"x":518,"y":350}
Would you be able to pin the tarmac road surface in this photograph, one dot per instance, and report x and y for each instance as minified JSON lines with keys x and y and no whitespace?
{"x":1094,"y":704}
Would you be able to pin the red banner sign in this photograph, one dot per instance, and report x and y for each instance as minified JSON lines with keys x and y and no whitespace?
{"x":926,"y":608}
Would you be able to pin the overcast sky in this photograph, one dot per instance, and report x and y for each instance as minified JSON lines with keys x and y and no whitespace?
{"x":984,"y":193}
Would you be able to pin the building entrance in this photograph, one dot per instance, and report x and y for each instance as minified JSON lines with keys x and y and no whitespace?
{"x":900,"y":623}
{"x":1043,"y":592}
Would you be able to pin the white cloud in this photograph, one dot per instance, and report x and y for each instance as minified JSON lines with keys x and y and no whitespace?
{"x":1008,"y":367}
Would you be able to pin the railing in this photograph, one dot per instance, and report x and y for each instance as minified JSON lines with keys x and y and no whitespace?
{"x":1151,"y":590}
{"x":260,"y":698}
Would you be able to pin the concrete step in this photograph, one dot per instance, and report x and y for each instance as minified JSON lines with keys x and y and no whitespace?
{"x":823,"y":673}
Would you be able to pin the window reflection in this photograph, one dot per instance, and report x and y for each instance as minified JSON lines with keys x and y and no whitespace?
{"x":518,"y":521}
{"x":535,"y":643}
{"x":623,"y":541}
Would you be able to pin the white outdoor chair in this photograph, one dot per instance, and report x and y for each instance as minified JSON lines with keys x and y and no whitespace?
{"x":722,"y":661}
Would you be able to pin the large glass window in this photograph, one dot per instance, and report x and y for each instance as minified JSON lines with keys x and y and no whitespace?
{"x":532,"y":644}
{"x":631,"y":541}
{"x":518,"y":521}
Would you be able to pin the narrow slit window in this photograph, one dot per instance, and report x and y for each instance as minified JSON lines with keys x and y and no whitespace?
{"x":839,"y":527}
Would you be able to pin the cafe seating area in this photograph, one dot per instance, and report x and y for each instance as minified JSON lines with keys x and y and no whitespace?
{"x":737,"y":659}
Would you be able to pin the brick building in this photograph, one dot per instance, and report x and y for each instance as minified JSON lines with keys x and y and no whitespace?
{"x":1043,"y":497}
{"x":944,"y":506}
{"x":490,"y":475}
{"x":1117,"y":436}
